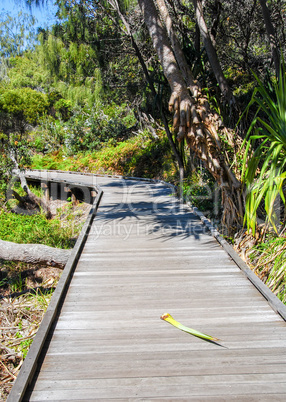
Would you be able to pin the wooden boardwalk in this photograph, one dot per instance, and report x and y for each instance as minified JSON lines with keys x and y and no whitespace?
{"x":147,"y":255}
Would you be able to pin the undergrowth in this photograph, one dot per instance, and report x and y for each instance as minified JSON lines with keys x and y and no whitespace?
{"x":200,"y":190}
{"x":269,"y":261}
{"x":20,"y":318}
{"x":139,"y":156}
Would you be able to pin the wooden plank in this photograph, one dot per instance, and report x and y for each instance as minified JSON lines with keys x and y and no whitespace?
{"x":220,"y":398}
{"x":178,"y":368}
{"x":142,"y":388}
{"x":154,"y":382}
{"x":133,"y":337}
{"x":111,"y":367}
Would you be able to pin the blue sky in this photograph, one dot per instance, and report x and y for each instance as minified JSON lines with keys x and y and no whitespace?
{"x":45,"y":15}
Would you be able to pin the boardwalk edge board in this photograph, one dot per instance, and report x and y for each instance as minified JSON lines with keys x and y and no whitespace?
{"x":272,"y":299}
{"x":172,"y":186}
{"x":29,"y":366}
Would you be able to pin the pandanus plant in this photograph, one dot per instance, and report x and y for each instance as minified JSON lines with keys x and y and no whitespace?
{"x":264,"y":171}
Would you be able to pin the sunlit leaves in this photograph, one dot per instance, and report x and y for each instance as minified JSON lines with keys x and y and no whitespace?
{"x":265,"y":171}
{"x":23,"y":103}
{"x":73,"y":67}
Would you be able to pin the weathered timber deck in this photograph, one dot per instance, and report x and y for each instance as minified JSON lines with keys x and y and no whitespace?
{"x":147,"y":255}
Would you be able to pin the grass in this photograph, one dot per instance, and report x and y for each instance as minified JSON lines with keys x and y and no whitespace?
{"x":36,"y":229}
{"x":58,"y":232}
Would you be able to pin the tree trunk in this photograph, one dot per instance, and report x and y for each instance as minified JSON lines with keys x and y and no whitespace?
{"x":34,"y":254}
{"x":215,"y":22}
{"x":193,"y":118}
{"x":212,"y":54}
{"x":179,"y":55}
{"x":272,"y":36}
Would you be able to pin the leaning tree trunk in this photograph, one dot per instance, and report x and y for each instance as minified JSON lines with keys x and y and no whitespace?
{"x":176,"y":47}
{"x":212,"y":54}
{"x":193,"y":118}
{"x":34,"y":254}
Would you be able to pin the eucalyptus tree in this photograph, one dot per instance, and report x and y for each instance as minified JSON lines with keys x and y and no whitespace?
{"x":98,"y":26}
{"x":16,"y":35}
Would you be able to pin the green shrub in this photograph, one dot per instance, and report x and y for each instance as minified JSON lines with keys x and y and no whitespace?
{"x":86,"y":130}
{"x":200,"y":191}
{"x":24,"y":103}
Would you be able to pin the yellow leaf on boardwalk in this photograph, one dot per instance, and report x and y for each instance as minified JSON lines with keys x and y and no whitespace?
{"x":167,"y":317}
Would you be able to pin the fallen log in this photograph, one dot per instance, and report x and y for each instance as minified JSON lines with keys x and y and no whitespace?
{"x":34,"y":254}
